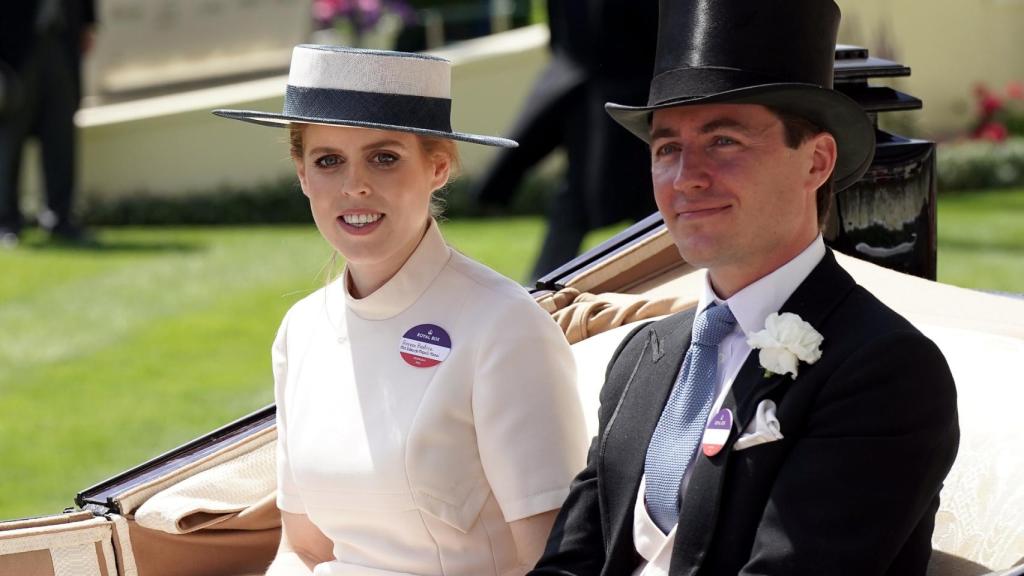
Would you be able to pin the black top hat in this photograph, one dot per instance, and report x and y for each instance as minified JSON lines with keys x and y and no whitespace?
{"x":367,"y":89}
{"x":777,"y":53}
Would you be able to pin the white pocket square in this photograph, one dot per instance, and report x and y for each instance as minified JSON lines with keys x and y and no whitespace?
{"x":762,"y":429}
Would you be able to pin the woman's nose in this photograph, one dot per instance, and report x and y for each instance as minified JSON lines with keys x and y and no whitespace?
{"x":355,"y":183}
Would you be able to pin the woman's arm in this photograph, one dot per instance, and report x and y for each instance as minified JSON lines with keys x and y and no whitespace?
{"x":302,"y":547}
{"x":531,"y":534}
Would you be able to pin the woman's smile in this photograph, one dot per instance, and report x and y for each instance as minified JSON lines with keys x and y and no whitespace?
{"x":361,"y":222}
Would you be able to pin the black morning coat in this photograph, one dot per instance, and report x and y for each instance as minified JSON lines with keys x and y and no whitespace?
{"x":870,"y":432}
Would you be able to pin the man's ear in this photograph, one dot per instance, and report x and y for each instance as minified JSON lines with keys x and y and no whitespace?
{"x":300,"y":171}
{"x":824,"y":152}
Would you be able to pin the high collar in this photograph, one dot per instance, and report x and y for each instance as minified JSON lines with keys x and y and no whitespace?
{"x":408,"y":284}
{"x":752,"y":305}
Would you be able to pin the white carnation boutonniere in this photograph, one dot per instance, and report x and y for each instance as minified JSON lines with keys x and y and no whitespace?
{"x":785,"y":342}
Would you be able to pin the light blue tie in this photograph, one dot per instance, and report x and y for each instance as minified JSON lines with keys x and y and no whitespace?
{"x":681,"y":424}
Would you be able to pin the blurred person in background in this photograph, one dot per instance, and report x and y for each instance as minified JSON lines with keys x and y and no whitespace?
{"x":601,"y":50}
{"x":427,"y":414}
{"x":41,"y":47}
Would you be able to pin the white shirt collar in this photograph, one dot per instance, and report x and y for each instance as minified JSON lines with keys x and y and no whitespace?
{"x":752,"y":305}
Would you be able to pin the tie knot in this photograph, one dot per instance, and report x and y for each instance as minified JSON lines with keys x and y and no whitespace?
{"x":713,"y":325}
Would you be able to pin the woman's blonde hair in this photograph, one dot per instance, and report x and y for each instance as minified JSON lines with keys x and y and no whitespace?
{"x":430,"y":146}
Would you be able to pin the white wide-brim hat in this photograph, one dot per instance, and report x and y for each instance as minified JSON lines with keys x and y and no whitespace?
{"x":340,"y":86}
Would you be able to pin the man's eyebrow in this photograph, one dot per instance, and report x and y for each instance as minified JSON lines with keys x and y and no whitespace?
{"x":664,"y":132}
{"x":724,"y":124}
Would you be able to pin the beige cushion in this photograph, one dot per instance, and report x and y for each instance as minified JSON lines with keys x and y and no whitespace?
{"x":213,"y":496}
{"x":584,"y":315}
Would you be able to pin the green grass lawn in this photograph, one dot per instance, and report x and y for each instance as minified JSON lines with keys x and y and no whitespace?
{"x":981,"y":240}
{"x":111,"y":356}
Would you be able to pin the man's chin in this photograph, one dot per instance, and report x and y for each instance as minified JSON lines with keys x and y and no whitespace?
{"x":699,"y":254}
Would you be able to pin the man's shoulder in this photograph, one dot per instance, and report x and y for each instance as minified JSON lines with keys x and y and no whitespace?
{"x":855,"y":315}
{"x":861,"y":312}
{"x":682,"y":320}
{"x":863,"y":329}
{"x":649,"y":338}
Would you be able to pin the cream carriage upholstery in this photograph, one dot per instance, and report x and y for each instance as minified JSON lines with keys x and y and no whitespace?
{"x":75,"y":544}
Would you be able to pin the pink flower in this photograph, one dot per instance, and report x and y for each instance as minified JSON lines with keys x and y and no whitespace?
{"x":323,"y":10}
{"x":990,"y":104}
{"x":327,"y":11}
{"x":1015,"y":90}
{"x":992,"y":131}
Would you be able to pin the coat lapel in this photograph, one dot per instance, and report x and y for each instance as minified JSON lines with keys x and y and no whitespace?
{"x":815,"y":298}
{"x":629,"y":430}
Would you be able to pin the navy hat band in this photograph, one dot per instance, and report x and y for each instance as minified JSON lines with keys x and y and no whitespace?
{"x":423,"y":112}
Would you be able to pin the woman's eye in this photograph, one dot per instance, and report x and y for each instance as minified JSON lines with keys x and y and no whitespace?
{"x":384,"y":158}
{"x":328,"y":161}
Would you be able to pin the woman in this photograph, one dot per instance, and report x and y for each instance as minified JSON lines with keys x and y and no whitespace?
{"x":428,"y":421}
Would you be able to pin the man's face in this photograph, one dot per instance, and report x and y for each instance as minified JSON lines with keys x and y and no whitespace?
{"x":736,"y":199}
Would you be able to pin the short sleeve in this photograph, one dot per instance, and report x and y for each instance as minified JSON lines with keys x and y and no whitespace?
{"x":530,"y":429}
{"x":288,"y":498}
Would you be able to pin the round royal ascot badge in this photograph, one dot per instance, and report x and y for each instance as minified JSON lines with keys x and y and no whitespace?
{"x":717,"y":432}
{"x":425,"y":345}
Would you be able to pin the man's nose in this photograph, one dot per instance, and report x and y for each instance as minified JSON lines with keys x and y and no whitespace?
{"x":691,"y":172}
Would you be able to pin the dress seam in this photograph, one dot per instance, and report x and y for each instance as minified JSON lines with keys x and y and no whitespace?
{"x":419,"y":509}
{"x":490,"y":542}
{"x":437,"y":547}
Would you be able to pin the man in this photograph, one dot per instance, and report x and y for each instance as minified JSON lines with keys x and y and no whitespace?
{"x":808,"y":428}
{"x":41,"y":44}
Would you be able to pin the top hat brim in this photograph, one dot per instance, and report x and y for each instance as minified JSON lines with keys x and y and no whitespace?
{"x":832,"y":111}
{"x":281,"y":120}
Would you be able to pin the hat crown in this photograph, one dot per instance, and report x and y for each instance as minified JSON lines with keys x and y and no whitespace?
{"x":751,"y":41}
{"x":374,"y":71}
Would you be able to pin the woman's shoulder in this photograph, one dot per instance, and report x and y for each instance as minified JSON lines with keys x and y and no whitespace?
{"x":495,"y":300}
{"x":494,"y":291}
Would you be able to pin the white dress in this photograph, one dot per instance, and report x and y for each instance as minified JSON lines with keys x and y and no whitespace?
{"x":416,"y":423}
